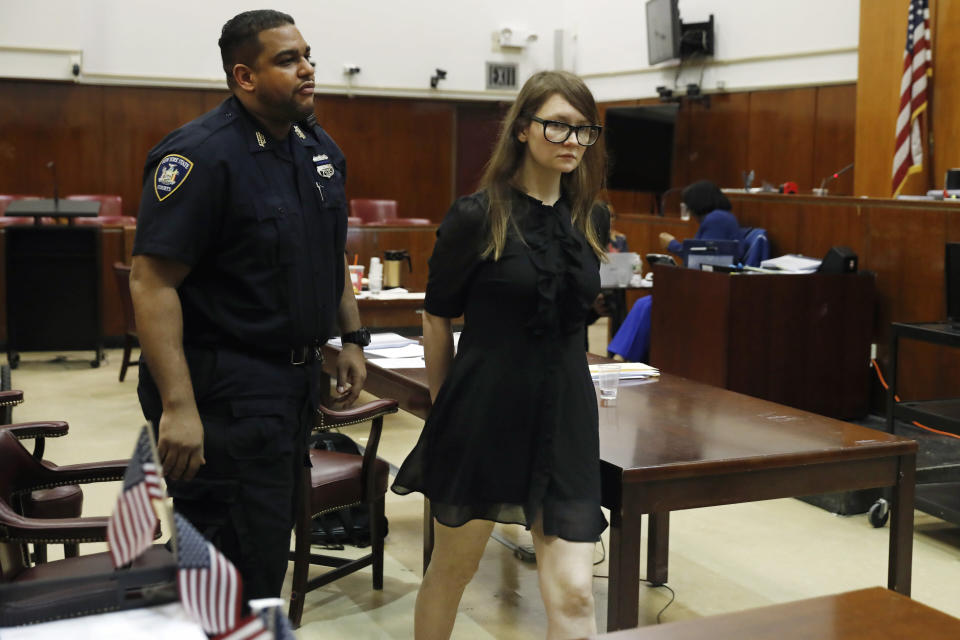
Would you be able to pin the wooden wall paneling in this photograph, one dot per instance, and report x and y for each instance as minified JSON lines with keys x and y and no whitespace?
{"x":906,"y":247}
{"x":134,"y":121}
{"x":396,"y":149}
{"x":781,"y":136}
{"x":834,"y":137}
{"x":946,"y":89}
{"x":717,"y":148}
{"x":621,"y":201}
{"x":883,"y":30}
{"x":212,"y":98}
{"x":44,"y":121}
{"x":478,"y":125}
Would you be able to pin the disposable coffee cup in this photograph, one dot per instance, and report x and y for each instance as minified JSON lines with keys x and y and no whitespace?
{"x":356,"y":277}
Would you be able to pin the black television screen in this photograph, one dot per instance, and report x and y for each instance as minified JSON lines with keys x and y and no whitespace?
{"x":663,"y":31}
{"x":640,"y":147}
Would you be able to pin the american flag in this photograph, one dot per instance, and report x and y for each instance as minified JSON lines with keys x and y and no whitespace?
{"x":133,"y":522}
{"x":269,"y":624}
{"x":209,"y":584}
{"x":908,"y":157}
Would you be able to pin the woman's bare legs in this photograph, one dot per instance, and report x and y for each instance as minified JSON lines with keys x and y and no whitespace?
{"x":456,"y":555}
{"x":565,"y":570}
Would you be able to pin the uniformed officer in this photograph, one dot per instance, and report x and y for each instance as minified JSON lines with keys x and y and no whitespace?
{"x":238,"y":277}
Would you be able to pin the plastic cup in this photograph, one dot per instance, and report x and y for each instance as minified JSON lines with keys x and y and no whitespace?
{"x":609,"y":383}
{"x":356,"y":277}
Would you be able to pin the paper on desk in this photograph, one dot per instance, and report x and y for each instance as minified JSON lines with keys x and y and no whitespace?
{"x":380,"y":341}
{"x":399,"y":363}
{"x":792,"y":263}
{"x":408,"y":351}
{"x":629,"y":371}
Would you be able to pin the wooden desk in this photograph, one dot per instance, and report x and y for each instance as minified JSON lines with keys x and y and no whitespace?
{"x":801,"y":340}
{"x":381,"y":313}
{"x":867,"y":614}
{"x":672,"y":443}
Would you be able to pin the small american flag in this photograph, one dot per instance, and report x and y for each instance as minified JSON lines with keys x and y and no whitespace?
{"x":269,"y":624}
{"x":209,"y":584}
{"x":133,"y":522}
{"x":908,"y":157}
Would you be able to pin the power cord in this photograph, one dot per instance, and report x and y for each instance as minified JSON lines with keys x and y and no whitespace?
{"x":673,"y":594}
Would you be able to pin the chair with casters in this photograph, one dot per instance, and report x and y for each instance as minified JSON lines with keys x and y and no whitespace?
{"x":755,"y":245}
{"x":20,"y":474}
{"x":337,"y":480}
{"x":61,"y":501}
{"x":122,"y":274}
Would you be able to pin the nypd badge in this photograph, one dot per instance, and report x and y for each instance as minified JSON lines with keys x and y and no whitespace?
{"x":325,"y":170}
{"x":170,"y":173}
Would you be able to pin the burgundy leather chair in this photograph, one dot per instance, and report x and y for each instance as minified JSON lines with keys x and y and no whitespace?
{"x":340,"y":480}
{"x":20,"y":474}
{"x":110,"y":205}
{"x":122,"y":274}
{"x":371,"y":210}
{"x":381,"y":213}
{"x":5,"y":200}
{"x":62,"y":501}
{"x":107,"y":221}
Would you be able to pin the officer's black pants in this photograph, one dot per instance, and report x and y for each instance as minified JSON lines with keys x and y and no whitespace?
{"x":256,"y":416}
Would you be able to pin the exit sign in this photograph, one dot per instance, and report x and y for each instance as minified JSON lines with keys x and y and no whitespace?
{"x":501,"y":75}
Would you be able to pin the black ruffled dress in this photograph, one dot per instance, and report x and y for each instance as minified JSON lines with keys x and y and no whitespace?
{"x":514,"y":429}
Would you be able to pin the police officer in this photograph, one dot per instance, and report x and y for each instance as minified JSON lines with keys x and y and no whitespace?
{"x":238,"y":278}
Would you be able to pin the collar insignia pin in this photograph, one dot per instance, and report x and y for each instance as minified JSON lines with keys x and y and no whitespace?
{"x":261,"y":140}
{"x":299,"y":133}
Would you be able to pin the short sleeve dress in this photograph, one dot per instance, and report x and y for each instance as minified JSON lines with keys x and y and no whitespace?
{"x":514,"y":429}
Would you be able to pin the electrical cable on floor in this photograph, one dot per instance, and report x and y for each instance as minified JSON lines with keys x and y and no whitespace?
{"x":896,"y":398}
{"x":673,"y":594}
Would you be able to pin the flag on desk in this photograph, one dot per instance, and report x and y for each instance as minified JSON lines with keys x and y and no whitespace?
{"x":210,"y":586}
{"x":269,"y":624}
{"x":133,"y":522}
{"x":917,"y":67}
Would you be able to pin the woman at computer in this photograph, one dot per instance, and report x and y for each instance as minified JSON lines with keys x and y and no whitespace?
{"x":711,"y":209}
{"x":513,"y":433}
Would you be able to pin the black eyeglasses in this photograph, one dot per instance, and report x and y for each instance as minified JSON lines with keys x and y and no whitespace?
{"x":558,"y":132}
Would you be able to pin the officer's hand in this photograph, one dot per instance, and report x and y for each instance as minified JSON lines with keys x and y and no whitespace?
{"x":351,"y":374}
{"x":180,"y":445}
{"x":665,"y":239}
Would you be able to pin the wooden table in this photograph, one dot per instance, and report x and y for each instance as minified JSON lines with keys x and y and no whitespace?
{"x":672,"y":443}
{"x":868,"y":614}
{"x":392,"y":313}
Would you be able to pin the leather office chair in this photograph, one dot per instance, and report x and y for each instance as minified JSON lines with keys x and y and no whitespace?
{"x":756,"y":246}
{"x":340,"y":480}
{"x":353,"y":221}
{"x":62,"y":501}
{"x":122,"y":274}
{"x":5,"y":200}
{"x":20,"y":474}
{"x":371,"y":210}
{"x":110,"y":205}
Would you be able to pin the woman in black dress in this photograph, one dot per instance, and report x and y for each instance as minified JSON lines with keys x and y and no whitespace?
{"x":512,"y":436}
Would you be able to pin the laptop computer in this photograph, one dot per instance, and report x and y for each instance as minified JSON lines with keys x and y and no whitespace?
{"x":697,"y":253}
{"x":951,"y":273}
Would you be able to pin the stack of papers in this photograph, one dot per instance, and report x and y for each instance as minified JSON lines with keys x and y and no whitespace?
{"x":397,"y":293}
{"x":629,"y":371}
{"x":792,"y":263}
{"x":380,"y":341}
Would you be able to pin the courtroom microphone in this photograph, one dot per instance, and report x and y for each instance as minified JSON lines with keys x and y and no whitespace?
{"x":834,"y":176}
{"x":56,"y":192}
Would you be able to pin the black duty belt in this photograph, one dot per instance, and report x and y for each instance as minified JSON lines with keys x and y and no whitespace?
{"x":305,"y":355}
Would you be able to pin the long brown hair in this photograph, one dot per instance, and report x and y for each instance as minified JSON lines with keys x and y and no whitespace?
{"x":581,"y":186}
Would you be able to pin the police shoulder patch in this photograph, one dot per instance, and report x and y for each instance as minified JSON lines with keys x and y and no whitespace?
{"x":171,"y":172}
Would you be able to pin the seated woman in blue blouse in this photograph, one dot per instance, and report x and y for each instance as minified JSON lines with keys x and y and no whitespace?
{"x":712,"y":209}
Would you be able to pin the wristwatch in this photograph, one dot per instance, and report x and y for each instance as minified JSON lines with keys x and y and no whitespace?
{"x":360,"y":337}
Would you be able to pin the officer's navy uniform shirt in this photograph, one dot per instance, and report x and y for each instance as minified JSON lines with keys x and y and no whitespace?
{"x":261,"y":222}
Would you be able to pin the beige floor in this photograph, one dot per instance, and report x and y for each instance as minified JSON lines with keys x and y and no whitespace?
{"x":722,"y":559}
